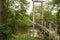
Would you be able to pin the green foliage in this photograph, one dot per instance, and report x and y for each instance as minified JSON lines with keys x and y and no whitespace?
{"x":14,"y":16}
{"x":37,"y":18}
{"x":24,"y":37}
{"x":25,"y":22}
{"x":48,"y":16}
{"x":46,"y":38}
{"x":37,"y":8}
{"x":56,"y":1}
{"x":58,"y":21}
{"x":58,"y":17}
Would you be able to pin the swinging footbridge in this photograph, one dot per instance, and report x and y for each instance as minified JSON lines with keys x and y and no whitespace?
{"x":50,"y":29}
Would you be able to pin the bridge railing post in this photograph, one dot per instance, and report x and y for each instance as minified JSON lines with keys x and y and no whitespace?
{"x":49,"y":32}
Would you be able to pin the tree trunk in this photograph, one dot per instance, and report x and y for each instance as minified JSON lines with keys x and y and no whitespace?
{"x":1,"y":37}
{"x":0,"y":11}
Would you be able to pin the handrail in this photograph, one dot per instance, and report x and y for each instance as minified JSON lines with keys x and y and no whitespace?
{"x":52,"y":33}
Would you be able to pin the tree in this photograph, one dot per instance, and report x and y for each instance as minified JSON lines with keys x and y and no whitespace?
{"x":1,"y":11}
{"x":57,"y":3}
{"x":14,"y":12}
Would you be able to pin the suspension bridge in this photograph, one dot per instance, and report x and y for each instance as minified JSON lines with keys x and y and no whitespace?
{"x":52,"y":32}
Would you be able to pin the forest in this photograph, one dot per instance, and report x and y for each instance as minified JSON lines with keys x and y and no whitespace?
{"x":41,"y":23}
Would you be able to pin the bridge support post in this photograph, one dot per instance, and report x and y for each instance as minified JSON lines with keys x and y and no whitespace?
{"x":49,"y":29}
{"x":33,"y":19}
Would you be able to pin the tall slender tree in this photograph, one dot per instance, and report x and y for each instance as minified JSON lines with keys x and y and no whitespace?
{"x":0,"y":11}
{"x":13,"y":15}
